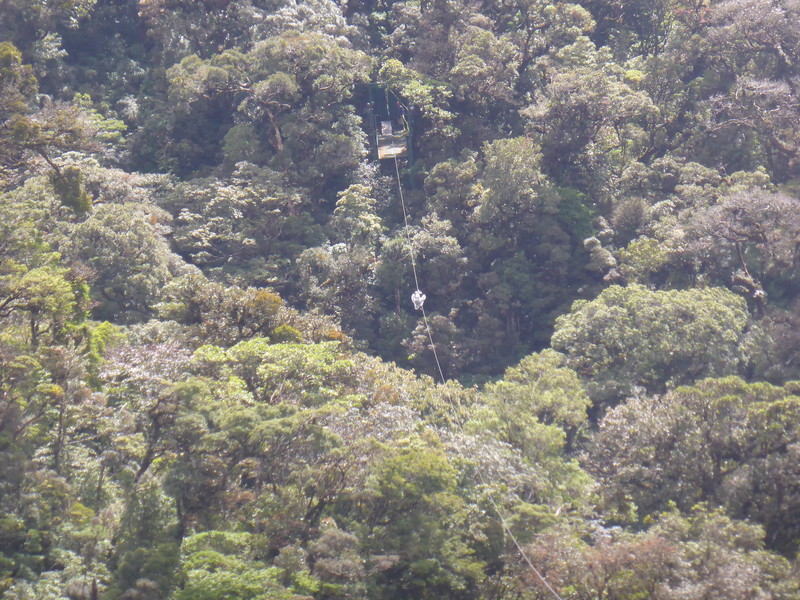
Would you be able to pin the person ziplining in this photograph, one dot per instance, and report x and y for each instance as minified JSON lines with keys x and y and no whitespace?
{"x":418,"y":299}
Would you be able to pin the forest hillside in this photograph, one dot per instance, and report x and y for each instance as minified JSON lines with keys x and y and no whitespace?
{"x":214,"y":384}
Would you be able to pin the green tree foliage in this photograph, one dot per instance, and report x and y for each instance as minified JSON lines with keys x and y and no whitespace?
{"x":722,"y":441}
{"x":39,"y":296}
{"x":539,"y":399}
{"x":17,"y":85}
{"x":128,"y":257}
{"x":428,"y":95}
{"x":218,"y":562}
{"x":43,"y":400}
{"x":27,"y":19}
{"x":704,"y":554}
{"x":308,"y":375}
{"x":220,"y":314}
{"x":590,"y":120}
{"x":629,"y":338}
{"x":200,"y":178}
{"x":750,"y":234}
{"x":26,"y":132}
{"x":288,"y":90}
{"x":537,"y":29}
{"x":251,"y":224}
{"x":412,"y":511}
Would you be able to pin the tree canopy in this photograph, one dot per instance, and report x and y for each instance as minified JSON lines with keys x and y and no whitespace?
{"x":214,"y":382}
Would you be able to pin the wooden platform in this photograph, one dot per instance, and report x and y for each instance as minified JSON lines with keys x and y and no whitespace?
{"x":392,"y":146}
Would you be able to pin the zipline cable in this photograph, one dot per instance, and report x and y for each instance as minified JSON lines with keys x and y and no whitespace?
{"x":414,"y":267}
{"x":405,"y":220}
{"x":444,"y":381}
{"x":433,"y":346}
{"x":514,"y":539}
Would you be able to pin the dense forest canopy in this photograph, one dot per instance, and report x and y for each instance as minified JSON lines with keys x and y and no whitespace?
{"x":213,"y":381}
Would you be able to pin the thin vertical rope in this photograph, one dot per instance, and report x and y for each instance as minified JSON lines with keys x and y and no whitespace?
{"x":414,"y":268}
{"x":506,"y":528}
{"x":405,"y":220}
{"x":433,"y":346}
{"x":514,"y":539}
